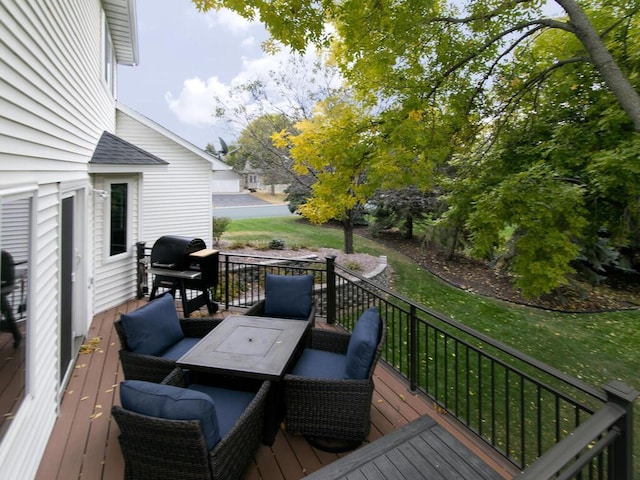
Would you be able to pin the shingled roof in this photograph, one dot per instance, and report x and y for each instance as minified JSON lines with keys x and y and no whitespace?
{"x":113,"y":151}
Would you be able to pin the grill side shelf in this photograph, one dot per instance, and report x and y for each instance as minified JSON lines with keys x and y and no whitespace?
{"x":186,"y":274}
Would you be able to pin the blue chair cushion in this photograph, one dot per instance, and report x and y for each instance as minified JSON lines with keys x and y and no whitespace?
{"x":362,"y":344}
{"x":172,"y":403}
{"x":230,"y":404}
{"x":288,"y":296}
{"x":174,"y":352}
{"x":321,"y":364}
{"x":153,"y":328}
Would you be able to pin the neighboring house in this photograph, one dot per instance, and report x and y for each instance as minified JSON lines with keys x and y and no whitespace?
{"x":82,"y":179}
{"x":226,"y":181}
{"x":254,"y":178}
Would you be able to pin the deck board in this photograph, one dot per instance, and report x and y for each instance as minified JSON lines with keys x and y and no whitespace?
{"x":84,"y":445}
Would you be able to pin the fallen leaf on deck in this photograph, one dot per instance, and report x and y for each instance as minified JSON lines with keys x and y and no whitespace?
{"x":91,"y":346}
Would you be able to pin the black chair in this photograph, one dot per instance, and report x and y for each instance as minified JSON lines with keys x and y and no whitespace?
{"x":328,"y":393}
{"x":178,"y":431}
{"x":152,"y":338}
{"x":286,"y":296}
{"x":8,"y":285}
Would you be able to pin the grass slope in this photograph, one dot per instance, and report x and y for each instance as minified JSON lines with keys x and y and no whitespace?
{"x":594,"y":347}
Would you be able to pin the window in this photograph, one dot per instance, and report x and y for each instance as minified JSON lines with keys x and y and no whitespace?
{"x":119,"y":218}
{"x":15,"y":244}
{"x":108,"y":56}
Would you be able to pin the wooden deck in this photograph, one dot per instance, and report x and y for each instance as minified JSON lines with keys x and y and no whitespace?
{"x":84,"y":443}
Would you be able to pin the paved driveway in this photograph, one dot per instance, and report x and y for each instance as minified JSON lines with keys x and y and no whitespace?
{"x":236,"y":200}
{"x":245,"y":205}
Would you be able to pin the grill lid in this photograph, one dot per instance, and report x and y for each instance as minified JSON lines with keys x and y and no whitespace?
{"x":171,"y":251}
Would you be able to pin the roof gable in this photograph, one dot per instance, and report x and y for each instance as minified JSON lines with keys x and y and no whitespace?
{"x":115,"y":154}
{"x":216,"y":164}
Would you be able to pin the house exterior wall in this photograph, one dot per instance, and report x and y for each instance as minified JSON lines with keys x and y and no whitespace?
{"x":54,"y":105}
{"x":226,"y":181}
{"x":115,"y":276}
{"x":177,"y":201}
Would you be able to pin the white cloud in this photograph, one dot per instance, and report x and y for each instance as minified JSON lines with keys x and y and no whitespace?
{"x":194,"y":103}
{"x":229,"y":20}
{"x":248,"y":42}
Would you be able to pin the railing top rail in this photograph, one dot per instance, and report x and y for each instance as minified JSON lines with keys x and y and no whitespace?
{"x":569,"y":448}
{"x":301,"y":258}
{"x":526,"y":359}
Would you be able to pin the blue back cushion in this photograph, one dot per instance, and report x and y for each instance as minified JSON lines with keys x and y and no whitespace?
{"x":363,"y":343}
{"x":171,"y":403}
{"x":153,"y":328}
{"x":288,"y":296}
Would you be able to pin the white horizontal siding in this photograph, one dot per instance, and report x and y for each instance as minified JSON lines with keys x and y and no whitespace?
{"x":176,"y":201}
{"x":54,"y":105}
{"x":114,"y":278}
{"x":53,"y":102}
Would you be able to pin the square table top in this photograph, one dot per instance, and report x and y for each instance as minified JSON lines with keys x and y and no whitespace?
{"x":422,"y":449}
{"x":249,"y":346}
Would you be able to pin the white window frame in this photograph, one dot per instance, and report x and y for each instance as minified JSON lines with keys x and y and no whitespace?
{"x":107,"y":219}
{"x":27,"y":191}
{"x":108,"y":56}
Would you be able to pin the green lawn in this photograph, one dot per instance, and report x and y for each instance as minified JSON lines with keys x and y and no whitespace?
{"x":592,"y":347}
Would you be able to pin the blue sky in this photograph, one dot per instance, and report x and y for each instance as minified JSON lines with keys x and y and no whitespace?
{"x":186,"y":58}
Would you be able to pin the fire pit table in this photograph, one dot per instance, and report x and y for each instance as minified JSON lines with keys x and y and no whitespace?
{"x":249,"y":347}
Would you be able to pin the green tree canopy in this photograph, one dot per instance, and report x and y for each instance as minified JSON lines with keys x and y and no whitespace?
{"x":531,"y":121}
{"x":336,"y":144}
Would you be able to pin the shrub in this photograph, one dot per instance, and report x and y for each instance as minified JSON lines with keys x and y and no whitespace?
{"x":220,"y":225}
{"x":276,"y":244}
{"x":353,"y":266}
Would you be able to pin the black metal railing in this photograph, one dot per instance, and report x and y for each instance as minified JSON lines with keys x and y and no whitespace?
{"x":546,"y":423}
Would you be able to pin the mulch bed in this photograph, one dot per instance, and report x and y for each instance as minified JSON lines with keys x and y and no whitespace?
{"x":616,"y":293}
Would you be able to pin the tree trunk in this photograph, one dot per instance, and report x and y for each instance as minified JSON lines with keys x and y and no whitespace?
{"x":603,"y":61}
{"x":347,"y":229}
{"x":408,"y":227}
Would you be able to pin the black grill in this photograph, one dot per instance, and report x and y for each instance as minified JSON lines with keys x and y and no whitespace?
{"x":185,"y":264}
{"x":7,"y":271}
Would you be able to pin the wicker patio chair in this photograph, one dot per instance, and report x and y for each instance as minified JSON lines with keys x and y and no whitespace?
{"x":158,"y":449}
{"x":332,"y":411}
{"x":155,"y":367}
{"x":286,"y":296}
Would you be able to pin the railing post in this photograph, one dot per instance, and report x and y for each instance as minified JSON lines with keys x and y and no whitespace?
{"x":621,"y":462}
{"x":413,"y":346}
{"x":331,"y":290}
{"x":226,"y":282}
{"x":141,"y":268}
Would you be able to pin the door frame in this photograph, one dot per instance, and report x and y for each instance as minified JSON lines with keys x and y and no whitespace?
{"x":79,"y":288}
